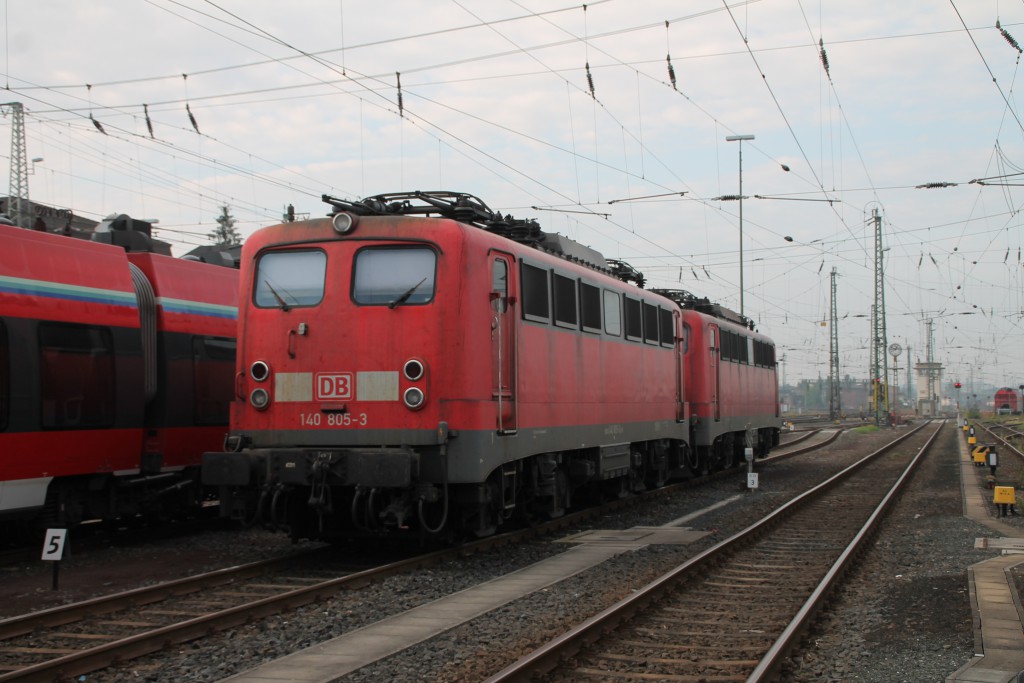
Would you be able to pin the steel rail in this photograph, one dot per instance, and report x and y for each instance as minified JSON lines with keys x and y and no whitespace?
{"x":773,"y":660}
{"x":548,"y":656}
{"x":93,"y":659}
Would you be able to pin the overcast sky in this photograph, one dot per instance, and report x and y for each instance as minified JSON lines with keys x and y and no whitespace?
{"x":295,"y":99}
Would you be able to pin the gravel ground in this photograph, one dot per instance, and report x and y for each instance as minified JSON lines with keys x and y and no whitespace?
{"x":905,"y":615}
{"x":923,"y":553}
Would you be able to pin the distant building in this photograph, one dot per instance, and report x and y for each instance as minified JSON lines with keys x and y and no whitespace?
{"x":929,"y":387}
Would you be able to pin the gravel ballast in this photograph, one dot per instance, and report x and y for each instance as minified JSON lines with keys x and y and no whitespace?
{"x":904,"y":617}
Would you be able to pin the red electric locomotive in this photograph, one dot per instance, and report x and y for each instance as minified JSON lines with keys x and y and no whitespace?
{"x":731,"y":384}
{"x":1006,"y":402}
{"x":116,"y":371}
{"x":418,"y":361}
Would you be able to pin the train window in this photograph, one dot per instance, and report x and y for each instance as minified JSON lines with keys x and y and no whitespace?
{"x":5,"y":378}
{"x":590,"y":307}
{"x":285,"y":279}
{"x":762,"y":354}
{"x":687,"y":331}
{"x":666,"y":323}
{"x":728,"y":345}
{"x":651,"y":323}
{"x":76,"y":376}
{"x":394,"y":276}
{"x":536,"y":303}
{"x":565,"y":301}
{"x":612,"y":313}
{"x":213,"y":372}
{"x":634,"y":320}
{"x":748,"y":349}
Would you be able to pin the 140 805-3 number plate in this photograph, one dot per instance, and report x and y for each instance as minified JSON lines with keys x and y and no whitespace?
{"x":333,"y":420}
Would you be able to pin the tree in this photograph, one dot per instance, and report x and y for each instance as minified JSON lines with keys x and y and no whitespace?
{"x":225,"y":235}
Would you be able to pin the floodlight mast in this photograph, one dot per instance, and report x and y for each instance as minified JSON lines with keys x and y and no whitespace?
{"x":740,"y":139}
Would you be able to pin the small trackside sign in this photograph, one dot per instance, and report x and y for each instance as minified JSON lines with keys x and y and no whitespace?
{"x":333,"y":386}
{"x":53,"y":544}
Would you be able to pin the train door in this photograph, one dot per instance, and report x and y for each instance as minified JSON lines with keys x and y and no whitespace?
{"x":714,"y":368}
{"x":503,"y":343}
{"x":682,"y":342}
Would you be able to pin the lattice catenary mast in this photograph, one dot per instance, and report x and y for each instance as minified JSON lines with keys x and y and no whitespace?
{"x":17,"y":197}
{"x":879,"y":344}
{"x":835,"y":406}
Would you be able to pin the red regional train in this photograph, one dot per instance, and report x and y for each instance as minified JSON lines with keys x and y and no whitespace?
{"x":1006,"y":402}
{"x":116,"y":371}
{"x":417,"y":362}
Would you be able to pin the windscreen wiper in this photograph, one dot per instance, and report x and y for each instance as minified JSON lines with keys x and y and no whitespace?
{"x":405,"y":295}
{"x":280,"y":299}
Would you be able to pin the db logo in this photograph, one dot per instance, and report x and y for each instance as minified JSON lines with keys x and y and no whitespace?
{"x":334,"y":386}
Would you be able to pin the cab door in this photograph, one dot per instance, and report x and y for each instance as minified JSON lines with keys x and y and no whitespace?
{"x":503,"y":342}
{"x":714,"y":366}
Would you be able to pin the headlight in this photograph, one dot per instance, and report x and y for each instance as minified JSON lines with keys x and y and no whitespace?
{"x":413,"y":398}
{"x":343,"y":223}
{"x":259,"y":398}
{"x":259,"y":371}
{"x":413,"y":369}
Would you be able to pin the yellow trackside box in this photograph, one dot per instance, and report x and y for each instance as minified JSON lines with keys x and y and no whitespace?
{"x":979,"y":454}
{"x":971,"y":440}
{"x":966,"y":426}
{"x":1004,"y":495}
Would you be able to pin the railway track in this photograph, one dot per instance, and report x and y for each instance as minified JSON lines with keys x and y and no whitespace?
{"x":734,"y":612}
{"x":81,"y":638}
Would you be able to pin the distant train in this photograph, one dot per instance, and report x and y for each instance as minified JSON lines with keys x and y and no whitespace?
{"x":116,"y":371}
{"x":419,"y":363}
{"x":1006,"y":402}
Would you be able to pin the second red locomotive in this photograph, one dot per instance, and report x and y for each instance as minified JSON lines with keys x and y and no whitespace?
{"x":418,"y":361}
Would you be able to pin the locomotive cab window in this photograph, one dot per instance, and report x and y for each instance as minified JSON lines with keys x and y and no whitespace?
{"x":290,"y":278}
{"x":76,"y":376}
{"x":394,"y":276}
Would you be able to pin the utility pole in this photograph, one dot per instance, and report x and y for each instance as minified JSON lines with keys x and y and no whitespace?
{"x":834,"y":403}
{"x":17,"y":197}
{"x":879,"y":359}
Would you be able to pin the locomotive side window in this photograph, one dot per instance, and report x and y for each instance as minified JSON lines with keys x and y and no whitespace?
{"x":5,"y":377}
{"x":612,"y":313}
{"x":76,"y":376}
{"x":394,"y":276}
{"x":536,"y":302}
{"x":213,"y":371}
{"x":590,"y":307}
{"x":634,"y":320}
{"x":665,"y":321}
{"x":565,"y":301}
{"x":290,"y":278}
{"x":651,"y":323}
